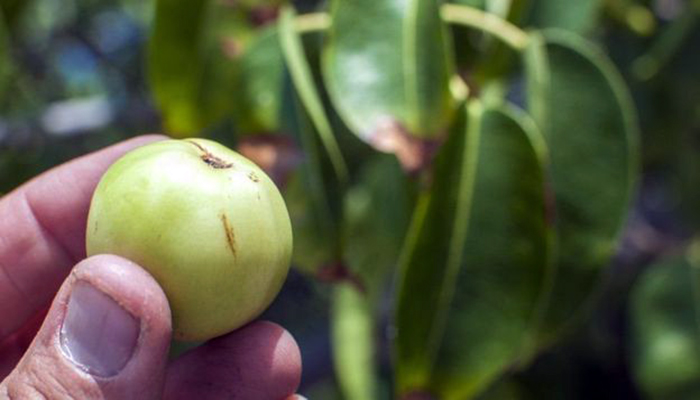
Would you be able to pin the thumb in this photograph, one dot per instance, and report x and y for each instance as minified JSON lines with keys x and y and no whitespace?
{"x":106,"y":335}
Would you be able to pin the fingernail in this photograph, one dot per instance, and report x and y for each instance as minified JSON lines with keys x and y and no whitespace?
{"x":97,"y":335}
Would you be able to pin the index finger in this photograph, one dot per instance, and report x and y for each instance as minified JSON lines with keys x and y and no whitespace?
{"x":42,"y":232}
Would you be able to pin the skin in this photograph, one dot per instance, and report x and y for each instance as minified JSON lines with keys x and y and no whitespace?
{"x":207,"y":223}
{"x":42,"y":256}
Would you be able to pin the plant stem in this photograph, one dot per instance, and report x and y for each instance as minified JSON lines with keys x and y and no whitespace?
{"x":451,"y":13}
{"x":489,"y":23}
{"x":666,"y":46}
{"x":313,"y":22}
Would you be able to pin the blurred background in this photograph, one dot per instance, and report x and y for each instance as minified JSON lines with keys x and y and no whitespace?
{"x":74,"y":78}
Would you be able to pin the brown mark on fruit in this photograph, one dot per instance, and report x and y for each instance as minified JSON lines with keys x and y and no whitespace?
{"x":210,"y":159}
{"x":253,"y":177}
{"x":230,"y":238}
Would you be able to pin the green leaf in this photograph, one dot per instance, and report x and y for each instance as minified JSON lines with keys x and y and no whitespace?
{"x":586,"y":114}
{"x":432,"y":254}
{"x":377,"y":213}
{"x":475,"y":268}
{"x":504,"y":283}
{"x":299,"y":69}
{"x":189,"y":73}
{"x":312,"y":195}
{"x":506,"y":272}
{"x":388,"y":62}
{"x":315,"y":236}
{"x":259,"y":84}
{"x":665,"y":330}
{"x":352,"y":329}
{"x":579,"y":16}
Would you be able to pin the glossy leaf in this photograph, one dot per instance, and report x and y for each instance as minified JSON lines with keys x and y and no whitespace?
{"x":502,"y":286}
{"x":388,"y":62}
{"x":506,"y":272}
{"x":300,"y":71}
{"x":665,"y":345}
{"x":352,"y":329}
{"x":189,"y":72}
{"x":589,"y":124}
{"x":478,"y":254}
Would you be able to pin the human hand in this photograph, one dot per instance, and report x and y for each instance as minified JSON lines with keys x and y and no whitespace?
{"x":107,"y":332}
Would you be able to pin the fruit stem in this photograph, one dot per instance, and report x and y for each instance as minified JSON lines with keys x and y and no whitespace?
{"x":210,"y":159}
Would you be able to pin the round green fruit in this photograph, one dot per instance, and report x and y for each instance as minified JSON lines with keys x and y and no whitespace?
{"x":206,"y":222}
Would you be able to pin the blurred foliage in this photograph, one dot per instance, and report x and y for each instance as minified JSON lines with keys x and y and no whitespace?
{"x":463,"y":177}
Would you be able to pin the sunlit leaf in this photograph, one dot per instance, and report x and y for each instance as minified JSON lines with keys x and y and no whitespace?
{"x":389,"y":62}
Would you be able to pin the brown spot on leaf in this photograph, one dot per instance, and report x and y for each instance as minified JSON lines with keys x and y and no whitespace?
{"x":230,"y":237}
{"x":414,"y":153}
{"x":209,"y":158}
{"x":231,"y":47}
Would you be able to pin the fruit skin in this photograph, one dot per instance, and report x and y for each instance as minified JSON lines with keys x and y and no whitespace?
{"x":207,"y":223}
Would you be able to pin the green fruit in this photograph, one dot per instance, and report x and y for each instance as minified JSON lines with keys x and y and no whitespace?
{"x":206,"y":222}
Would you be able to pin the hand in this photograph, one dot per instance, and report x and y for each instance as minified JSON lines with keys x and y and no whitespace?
{"x":107,"y":332}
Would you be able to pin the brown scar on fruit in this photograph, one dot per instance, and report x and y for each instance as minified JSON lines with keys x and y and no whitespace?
{"x":230,"y":238}
{"x":253,"y":177}
{"x":210,"y":159}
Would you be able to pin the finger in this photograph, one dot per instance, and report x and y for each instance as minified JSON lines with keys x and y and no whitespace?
{"x":259,"y":362}
{"x":14,"y":346}
{"x":106,"y":335}
{"x":42,"y":232}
